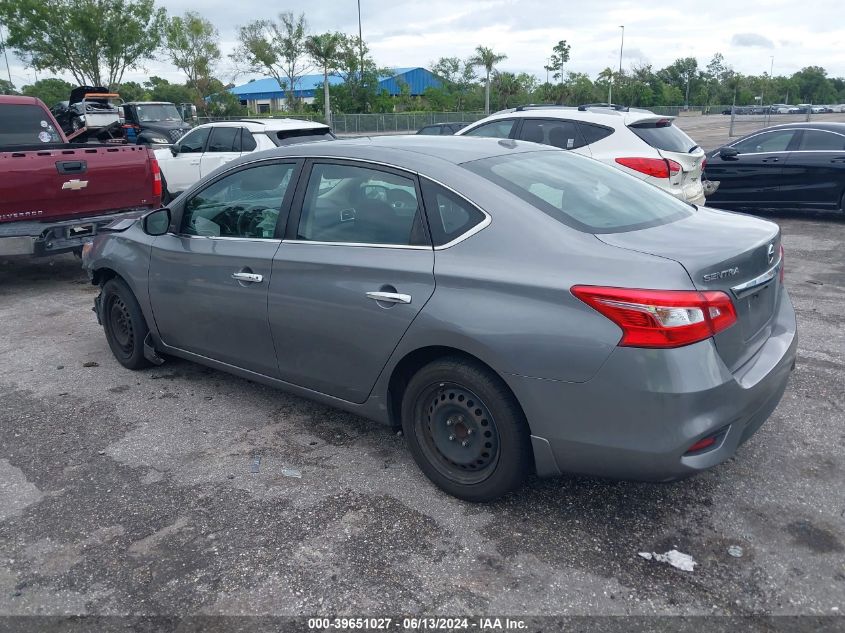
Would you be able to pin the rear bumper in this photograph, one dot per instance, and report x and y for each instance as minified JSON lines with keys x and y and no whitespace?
{"x":50,"y":238}
{"x":638,"y":416}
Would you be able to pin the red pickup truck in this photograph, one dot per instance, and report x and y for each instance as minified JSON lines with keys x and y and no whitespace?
{"x":54,"y":195}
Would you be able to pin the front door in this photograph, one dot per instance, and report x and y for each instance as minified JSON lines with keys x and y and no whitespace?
{"x":752,"y":177}
{"x":184,"y":169}
{"x":209,"y":279}
{"x":355,"y":270}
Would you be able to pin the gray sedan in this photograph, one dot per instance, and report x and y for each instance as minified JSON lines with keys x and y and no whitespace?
{"x":513,"y":307}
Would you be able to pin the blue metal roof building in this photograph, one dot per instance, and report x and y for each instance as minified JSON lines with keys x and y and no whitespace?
{"x":268,"y":90}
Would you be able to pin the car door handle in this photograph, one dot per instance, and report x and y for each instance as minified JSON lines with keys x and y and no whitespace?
{"x":389,"y":297}
{"x":195,"y":162}
{"x":838,"y":159}
{"x":771,"y":160}
{"x":251,"y":278}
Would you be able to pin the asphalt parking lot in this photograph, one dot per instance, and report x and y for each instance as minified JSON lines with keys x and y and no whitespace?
{"x":134,"y":492}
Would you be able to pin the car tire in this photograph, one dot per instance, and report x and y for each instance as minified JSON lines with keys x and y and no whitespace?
{"x":465,"y":430}
{"x":124,"y":324}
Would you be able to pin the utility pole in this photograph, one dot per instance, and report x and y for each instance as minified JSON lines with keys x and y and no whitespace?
{"x":610,"y":87}
{"x":361,"y":48}
{"x":6,"y":55}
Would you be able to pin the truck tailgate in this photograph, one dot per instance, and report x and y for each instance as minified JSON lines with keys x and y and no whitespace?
{"x":68,"y":181}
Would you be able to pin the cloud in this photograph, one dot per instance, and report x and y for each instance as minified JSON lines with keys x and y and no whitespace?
{"x":751,"y":39}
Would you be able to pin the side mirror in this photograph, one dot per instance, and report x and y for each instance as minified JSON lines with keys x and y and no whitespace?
{"x":727,"y":153}
{"x":157,"y":222}
{"x":174,"y":149}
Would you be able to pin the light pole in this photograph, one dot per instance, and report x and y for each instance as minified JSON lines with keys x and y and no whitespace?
{"x":6,"y":55}
{"x":621,"y":46}
{"x":361,"y":48}
{"x":768,"y":79}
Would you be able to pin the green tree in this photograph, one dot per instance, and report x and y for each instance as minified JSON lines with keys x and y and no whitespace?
{"x":160,"y":89}
{"x":95,"y":41}
{"x":560,"y":55}
{"x":681,"y":74}
{"x":50,"y":90}
{"x":132,"y":91}
{"x":277,"y":49}
{"x":487,"y":59}
{"x":191,"y":44}
{"x":324,"y":50}
{"x":458,"y":77}
{"x":7,"y":87}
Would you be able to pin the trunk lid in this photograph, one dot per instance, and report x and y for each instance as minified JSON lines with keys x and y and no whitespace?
{"x":673,"y":144}
{"x":722,"y":251}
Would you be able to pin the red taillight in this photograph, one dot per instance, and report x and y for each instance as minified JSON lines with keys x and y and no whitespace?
{"x":781,"y":263}
{"x":156,"y":177}
{"x":661,"y":318}
{"x":700,"y":445}
{"x":656,"y":167}
{"x":703,"y":164}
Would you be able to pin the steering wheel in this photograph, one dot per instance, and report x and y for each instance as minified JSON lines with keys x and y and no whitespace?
{"x":249,"y":220}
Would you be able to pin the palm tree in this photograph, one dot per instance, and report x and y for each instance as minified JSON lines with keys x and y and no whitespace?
{"x":488,"y":59}
{"x":324,"y":50}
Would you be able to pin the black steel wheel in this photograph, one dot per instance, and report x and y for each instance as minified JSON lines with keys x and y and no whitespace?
{"x":465,"y":429}
{"x":124,"y":324}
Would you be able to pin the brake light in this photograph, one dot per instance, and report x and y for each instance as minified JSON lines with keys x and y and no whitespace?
{"x":661,"y":318}
{"x":704,"y":164}
{"x":781,"y":264}
{"x":156,"y":176}
{"x":656,"y":167}
{"x":700,"y":445}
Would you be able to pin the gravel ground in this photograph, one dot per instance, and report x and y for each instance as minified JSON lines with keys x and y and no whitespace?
{"x":132,"y":492}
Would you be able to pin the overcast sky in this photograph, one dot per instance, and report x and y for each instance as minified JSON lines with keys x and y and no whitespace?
{"x":415,"y":33}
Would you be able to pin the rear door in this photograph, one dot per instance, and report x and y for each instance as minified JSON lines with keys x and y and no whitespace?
{"x":814,"y":174}
{"x":208,"y":279}
{"x":753,"y":177}
{"x":224,"y":145}
{"x":355,"y":269}
{"x":184,"y":170}
{"x":673,"y":144}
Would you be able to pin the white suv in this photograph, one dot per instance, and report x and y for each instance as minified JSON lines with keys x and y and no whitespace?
{"x":208,"y":146}
{"x":637,"y":142}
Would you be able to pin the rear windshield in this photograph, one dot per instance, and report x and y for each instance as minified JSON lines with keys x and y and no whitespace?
{"x":25,"y":125}
{"x":289,"y":137}
{"x":663,"y":135}
{"x":580,"y":192}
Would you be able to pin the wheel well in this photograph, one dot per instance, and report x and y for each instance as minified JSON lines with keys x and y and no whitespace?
{"x":413,"y":362}
{"x":102,"y":275}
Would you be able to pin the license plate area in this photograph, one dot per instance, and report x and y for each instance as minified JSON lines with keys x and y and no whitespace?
{"x":80,"y":230}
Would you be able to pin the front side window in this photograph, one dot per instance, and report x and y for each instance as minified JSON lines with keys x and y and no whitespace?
{"x":225,"y":139}
{"x":581,"y":193}
{"x":194,"y":142}
{"x":361,"y":205}
{"x":776,"y":141}
{"x":494,"y":129}
{"x":559,"y":133}
{"x":819,"y":141}
{"x":449,"y":215}
{"x":430,"y":130}
{"x":245,"y":204}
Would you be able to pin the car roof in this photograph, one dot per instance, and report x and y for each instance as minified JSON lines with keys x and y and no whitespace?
{"x":408,"y":151}
{"x":269,"y":125}
{"x":830,"y":126}
{"x":149,"y":103}
{"x":600,"y":115}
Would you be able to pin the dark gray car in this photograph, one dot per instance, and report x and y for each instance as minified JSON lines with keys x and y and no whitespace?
{"x":513,"y":307}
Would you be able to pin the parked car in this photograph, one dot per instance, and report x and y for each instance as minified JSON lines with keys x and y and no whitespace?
{"x":441,"y":128}
{"x":795,"y":166}
{"x":56,"y":195}
{"x":207,"y":147}
{"x":801,"y":108}
{"x":153,"y":123}
{"x":821,"y":109}
{"x":637,"y":142}
{"x":838,"y":108}
{"x":780,"y":108}
{"x":512,"y":306}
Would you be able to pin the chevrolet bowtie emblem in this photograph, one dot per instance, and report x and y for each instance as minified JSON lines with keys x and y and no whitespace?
{"x":75,"y":185}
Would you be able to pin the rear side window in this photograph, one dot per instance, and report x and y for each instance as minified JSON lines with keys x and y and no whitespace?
{"x":593,"y":133}
{"x":25,"y":125}
{"x":494,"y":129}
{"x":663,"y":135}
{"x":248,"y":143}
{"x":430,"y":130}
{"x":449,"y":215}
{"x":555,"y":132}
{"x":580,"y":192}
{"x":819,"y":141}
